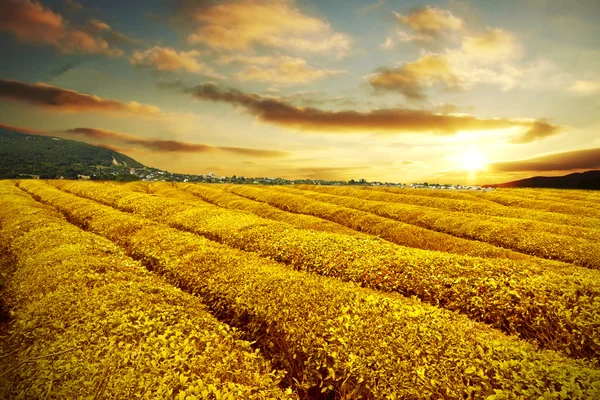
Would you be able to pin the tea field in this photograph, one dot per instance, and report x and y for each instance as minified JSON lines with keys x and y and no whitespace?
{"x":215,"y":291}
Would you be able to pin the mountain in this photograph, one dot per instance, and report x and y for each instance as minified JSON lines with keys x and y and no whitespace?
{"x":589,"y":180}
{"x":51,"y":157}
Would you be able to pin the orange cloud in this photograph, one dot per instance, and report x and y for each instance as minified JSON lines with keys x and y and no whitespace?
{"x":161,"y":145}
{"x":567,"y":161}
{"x":431,"y":21}
{"x":394,"y":120}
{"x":411,"y":78}
{"x":427,"y":26}
{"x":283,"y":71}
{"x":242,"y":24}
{"x":30,"y":22}
{"x":23,"y":130}
{"x":540,"y":129}
{"x":168,"y":59}
{"x":55,"y":98}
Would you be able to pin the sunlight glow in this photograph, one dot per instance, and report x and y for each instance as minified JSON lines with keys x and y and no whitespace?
{"x":473,"y":160}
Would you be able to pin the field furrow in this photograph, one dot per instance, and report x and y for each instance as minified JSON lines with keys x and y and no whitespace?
{"x":334,"y":337}
{"x":527,"y":237}
{"x":554,"y":304}
{"x":90,"y":322}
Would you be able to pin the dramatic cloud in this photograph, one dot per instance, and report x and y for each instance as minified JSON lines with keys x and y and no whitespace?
{"x":539,"y":130}
{"x":161,"y":145}
{"x":394,"y":120}
{"x":585,"y":87}
{"x":52,"y":97}
{"x":282,"y":71}
{"x":567,"y":161}
{"x":31,"y":23}
{"x":482,"y":58}
{"x":243,"y":24}
{"x":168,"y":59}
{"x":411,"y":78}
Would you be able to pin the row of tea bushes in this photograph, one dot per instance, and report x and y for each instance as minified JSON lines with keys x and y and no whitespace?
{"x":528,"y":237}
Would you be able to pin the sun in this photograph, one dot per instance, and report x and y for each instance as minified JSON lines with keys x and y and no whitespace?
{"x":473,"y":160}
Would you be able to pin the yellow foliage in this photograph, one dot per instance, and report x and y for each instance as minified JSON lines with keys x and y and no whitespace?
{"x":329,"y":336}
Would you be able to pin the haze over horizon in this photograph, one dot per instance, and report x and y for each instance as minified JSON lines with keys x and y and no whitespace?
{"x":445,"y":91}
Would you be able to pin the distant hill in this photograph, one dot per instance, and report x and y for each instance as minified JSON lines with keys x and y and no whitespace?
{"x":589,"y":180}
{"x":51,"y":157}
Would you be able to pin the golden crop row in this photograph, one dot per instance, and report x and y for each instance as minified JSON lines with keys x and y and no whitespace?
{"x":364,"y":222}
{"x":225,"y":199}
{"x":573,"y":229}
{"x":359,"y":221}
{"x":332,"y":336}
{"x":505,"y":198}
{"x":89,"y":322}
{"x":576,"y":198}
{"x":473,"y":206}
{"x":529,"y":237}
{"x":546,"y":302}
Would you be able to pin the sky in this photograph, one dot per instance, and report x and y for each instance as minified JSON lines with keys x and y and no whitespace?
{"x":397,"y":91}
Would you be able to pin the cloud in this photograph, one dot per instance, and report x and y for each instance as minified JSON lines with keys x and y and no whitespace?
{"x":63,"y":69}
{"x":482,"y":58}
{"x":115,"y":38}
{"x":431,"y":21}
{"x":73,"y":5}
{"x":22,"y":130}
{"x":284,"y":71}
{"x":411,"y":78}
{"x":427,"y":25}
{"x":161,"y":145}
{"x":392,"y":120}
{"x":493,"y":45}
{"x":55,"y":98}
{"x":372,"y":7}
{"x":112,"y":37}
{"x":95,"y":27}
{"x":388,"y":44}
{"x":540,"y":129}
{"x":585,"y":87}
{"x":168,"y":59}
{"x":567,"y":161}
{"x":170,"y":84}
{"x":240,"y":25}
{"x":31,"y":23}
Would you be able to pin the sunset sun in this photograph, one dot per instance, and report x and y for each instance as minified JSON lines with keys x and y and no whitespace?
{"x":473,"y":160}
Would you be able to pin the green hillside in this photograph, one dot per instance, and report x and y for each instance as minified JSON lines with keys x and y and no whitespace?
{"x":51,"y":157}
